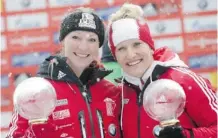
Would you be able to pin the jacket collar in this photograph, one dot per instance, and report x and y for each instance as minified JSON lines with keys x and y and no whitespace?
{"x":56,"y":68}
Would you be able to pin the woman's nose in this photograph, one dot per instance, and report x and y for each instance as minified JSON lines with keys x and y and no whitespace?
{"x":83,"y":45}
{"x":130,"y":54}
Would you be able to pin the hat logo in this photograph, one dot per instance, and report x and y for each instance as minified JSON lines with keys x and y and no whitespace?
{"x":87,"y":20}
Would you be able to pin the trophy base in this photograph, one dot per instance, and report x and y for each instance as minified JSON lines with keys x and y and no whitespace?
{"x":38,"y":121}
{"x":169,"y":122}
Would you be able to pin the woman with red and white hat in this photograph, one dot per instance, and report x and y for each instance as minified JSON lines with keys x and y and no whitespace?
{"x":131,"y":44}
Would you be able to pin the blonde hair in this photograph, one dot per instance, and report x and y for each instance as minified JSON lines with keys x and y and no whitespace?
{"x":127,"y":11}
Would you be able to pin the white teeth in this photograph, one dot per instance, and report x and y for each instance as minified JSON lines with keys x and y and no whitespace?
{"x":82,"y":55}
{"x":134,"y":62}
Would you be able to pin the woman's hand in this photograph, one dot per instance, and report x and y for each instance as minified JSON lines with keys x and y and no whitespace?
{"x":173,"y":131}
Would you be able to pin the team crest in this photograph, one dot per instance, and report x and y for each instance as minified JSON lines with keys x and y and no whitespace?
{"x":87,"y":20}
{"x":110,"y":106}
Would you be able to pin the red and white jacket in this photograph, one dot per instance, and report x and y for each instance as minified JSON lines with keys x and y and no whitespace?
{"x":87,"y":107}
{"x":200,"y":113}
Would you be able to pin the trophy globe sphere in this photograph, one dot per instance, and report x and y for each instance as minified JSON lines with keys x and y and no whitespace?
{"x":35,"y":98}
{"x":164,"y":99}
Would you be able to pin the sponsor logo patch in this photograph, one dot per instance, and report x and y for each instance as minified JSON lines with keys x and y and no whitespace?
{"x":58,"y":115}
{"x":62,"y":102}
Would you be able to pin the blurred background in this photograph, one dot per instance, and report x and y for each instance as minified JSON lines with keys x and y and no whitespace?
{"x":29,"y":33}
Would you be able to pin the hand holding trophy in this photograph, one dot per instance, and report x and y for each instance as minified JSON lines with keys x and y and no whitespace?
{"x":35,"y":99}
{"x":164,"y":101}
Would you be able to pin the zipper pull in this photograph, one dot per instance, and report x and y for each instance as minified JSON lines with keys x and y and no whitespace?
{"x":85,"y":88}
{"x":86,"y":94}
{"x":140,"y":99}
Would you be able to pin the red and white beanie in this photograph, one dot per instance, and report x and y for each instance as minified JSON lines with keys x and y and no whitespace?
{"x":128,"y":28}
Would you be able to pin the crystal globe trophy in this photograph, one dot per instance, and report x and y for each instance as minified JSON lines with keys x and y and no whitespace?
{"x":164,"y":101}
{"x":35,"y":99}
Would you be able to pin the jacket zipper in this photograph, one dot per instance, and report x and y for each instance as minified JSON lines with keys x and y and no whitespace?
{"x":139,"y":114}
{"x":87,"y":99}
{"x":82,"y":124}
{"x":100,"y":123}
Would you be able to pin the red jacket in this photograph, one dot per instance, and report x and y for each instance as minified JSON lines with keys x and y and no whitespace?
{"x":200,"y":114}
{"x":91,"y":112}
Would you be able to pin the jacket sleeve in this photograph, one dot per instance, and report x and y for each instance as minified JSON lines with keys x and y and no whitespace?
{"x":18,"y":127}
{"x":201,"y":104}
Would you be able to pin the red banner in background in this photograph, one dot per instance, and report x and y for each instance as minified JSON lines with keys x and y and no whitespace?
{"x":201,"y":42}
{"x":56,"y":15}
{"x":30,"y":31}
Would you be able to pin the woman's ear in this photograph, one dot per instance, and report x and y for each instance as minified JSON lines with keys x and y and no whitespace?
{"x":62,"y":48}
{"x":152,"y":51}
{"x":62,"y":43}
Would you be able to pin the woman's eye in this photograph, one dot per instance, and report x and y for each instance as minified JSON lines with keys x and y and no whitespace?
{"x":137,"y":44}
{"x":75,"y":37}
{"x":121,"y":48}
{"x":92,"y":40}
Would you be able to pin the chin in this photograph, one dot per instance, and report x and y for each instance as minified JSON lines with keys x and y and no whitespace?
{"x":134,"y":74}
{"x":84,"y":65}
{"x":138,"y":74}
